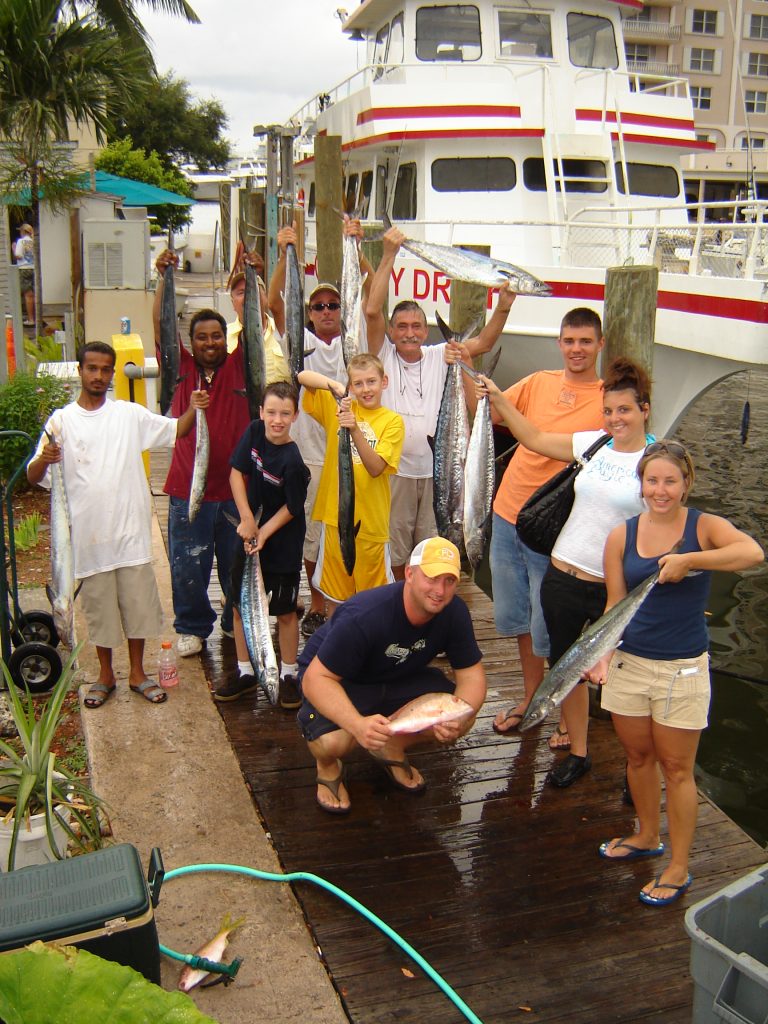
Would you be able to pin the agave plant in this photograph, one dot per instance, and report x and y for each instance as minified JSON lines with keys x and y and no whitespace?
{"x":31,"y":783}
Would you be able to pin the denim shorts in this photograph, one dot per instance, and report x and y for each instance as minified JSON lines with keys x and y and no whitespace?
{"x":517,"y":574}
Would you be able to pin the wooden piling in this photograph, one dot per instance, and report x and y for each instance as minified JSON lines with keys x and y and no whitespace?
{"x":328,"y":198}
{"x":629,"y":314}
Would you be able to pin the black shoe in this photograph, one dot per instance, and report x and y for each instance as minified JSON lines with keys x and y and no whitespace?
{"x":311,"y":622}
{"x":290,"y":694}
{"x":236,"y":688}
{"x":569,"y":770}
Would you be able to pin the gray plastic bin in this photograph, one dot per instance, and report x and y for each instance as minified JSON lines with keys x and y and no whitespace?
{"x":729,"y":953}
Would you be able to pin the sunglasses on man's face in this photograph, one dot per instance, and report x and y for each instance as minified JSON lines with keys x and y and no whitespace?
{"x":318,"y":307}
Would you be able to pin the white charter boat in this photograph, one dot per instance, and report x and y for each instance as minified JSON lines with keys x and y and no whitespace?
{"x":517,"y":125}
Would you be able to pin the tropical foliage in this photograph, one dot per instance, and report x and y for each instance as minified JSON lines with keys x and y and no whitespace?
{"x":121,"y":158}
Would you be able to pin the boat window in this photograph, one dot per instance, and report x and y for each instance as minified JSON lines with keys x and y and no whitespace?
{"x":380,"y":51}
{"x":365,"y":194}
{"x":404,"y":206}
{"x":396,"y":50}
{"x":381,"y":190}
{"x":649,"y":180}
{"x":474,"y":174}
{"x":350,"y":195}
{"x":591,"y":42}
{"x":448,"y":33}
{"x":578,"y":175}
{"x":524,"y":34}
{"x":311,"y":203}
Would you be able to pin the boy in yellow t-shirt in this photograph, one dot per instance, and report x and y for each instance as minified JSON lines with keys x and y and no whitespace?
{"x":377,"y":436}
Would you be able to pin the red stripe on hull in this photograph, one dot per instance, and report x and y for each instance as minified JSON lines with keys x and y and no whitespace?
{"x":447,"y":133}
{"x":476,"y":110}
{"x":586,"y":114}
{"x":746,"y":310}
{"x":655,"y":140}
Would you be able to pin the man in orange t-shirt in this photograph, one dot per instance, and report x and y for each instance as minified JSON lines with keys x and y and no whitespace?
{"x":561,"y":401}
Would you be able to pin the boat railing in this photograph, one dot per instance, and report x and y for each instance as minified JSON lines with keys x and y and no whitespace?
{"x":674,"y":85}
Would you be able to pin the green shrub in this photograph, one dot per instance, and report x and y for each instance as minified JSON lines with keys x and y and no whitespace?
{"x":43,"y":349}
{"x":26,"y":402}
{"x":27,"y":533}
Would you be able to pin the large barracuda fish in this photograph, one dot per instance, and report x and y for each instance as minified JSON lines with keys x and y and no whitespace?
{"x":200,"y":467}
{"x":254,"y":359}
{"x":61,"y":590}
{"x":479,"y":474}
{"x":465,"y":265}
{"x":346,"y":522}
{"x":352,"y":281}
{"x":599,"y":639}
{"x":254,"y":611}
{"x":294,"y":312}
{"x":449,"y":447}
{"x":169,"y":342}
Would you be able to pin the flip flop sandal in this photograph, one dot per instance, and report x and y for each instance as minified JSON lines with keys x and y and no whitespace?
{"x":664,"y":901}
{"x":150,"y":691}
{"x":634,"y":851}
{"x":555,"y":735}
{"x":512,"y":728}
{"x":387,"y":765}
{"x":333,"y":785}
{"x":98,"y":694}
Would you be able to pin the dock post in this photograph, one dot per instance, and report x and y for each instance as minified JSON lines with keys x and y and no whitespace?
{"x":328,"y":198}
{"x":629,"y":314}
{"x":469,"y":302}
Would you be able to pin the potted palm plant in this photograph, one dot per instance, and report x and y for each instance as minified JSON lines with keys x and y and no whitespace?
{"x":43,"y":807}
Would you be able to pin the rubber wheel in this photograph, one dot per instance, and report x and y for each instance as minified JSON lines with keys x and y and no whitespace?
{"x":35,"y":667}
{"x":36,"y":627}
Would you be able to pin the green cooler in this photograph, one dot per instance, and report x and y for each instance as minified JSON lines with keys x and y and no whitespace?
{"x":99,"y":901}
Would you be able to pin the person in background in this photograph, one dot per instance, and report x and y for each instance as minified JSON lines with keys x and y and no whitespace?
{"x":24,"y":255}
{"x":99,"y":444}
{"x":656,"y":685}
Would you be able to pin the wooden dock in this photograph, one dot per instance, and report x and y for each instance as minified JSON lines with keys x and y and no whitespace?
{"x":491,"y":875}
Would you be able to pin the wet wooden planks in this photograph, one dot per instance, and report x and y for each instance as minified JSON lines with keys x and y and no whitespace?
{"x":491,"y":875}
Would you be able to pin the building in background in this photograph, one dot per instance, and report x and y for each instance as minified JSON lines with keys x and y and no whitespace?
{"x":721,"y":47}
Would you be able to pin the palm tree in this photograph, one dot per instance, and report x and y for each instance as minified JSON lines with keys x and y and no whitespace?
{"x":121,"y":16}
{"x":55,"y":69}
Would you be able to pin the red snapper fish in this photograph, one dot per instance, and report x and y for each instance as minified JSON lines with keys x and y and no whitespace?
{"x":428,"y":710}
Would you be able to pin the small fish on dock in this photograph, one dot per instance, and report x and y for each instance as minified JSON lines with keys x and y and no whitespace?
{"x":428,"y":710}
{"x":190,"y":977}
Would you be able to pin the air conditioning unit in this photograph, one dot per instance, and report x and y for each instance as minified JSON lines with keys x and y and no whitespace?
{"x":116,"y":254}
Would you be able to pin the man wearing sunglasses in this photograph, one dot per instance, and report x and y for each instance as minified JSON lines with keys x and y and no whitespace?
{"x":323,"y":339}
{"x":416,"y":373}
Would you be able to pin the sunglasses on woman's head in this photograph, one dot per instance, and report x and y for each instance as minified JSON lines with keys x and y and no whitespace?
{"x":670,"y":447}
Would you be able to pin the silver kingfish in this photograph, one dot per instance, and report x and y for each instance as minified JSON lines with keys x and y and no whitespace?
{"x":449,"y":448}
{"x":61,"y":590}
{"x":254,"y":611}
{"x":595,"y":642}
{"x":200,"y":467}
{"x":169,"y":342}
{"x":479,"y":474}
{"x":352,"y":281}
{"x":465,"y":265}
{"x":346,"y":521}
{"x":294,"y":312}
{"x":254,"y":359}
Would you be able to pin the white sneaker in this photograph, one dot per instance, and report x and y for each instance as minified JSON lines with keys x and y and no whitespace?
{"x":188,"y":645}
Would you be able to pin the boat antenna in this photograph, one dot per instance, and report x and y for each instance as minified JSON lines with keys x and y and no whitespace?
{"x":751,"y":180}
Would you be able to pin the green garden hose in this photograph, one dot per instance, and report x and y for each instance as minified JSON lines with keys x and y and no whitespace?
{"x":306,"y":876}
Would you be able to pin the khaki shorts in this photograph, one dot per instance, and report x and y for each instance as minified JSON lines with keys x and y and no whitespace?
{"x":122,"y":601}
{"x":674,"y":693}
{"x":312,"y":534}
{"x":372,"y":567}
{"x":411,"y":516}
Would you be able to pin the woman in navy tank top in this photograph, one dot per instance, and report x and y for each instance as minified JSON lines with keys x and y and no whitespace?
{"x":657,"y":681}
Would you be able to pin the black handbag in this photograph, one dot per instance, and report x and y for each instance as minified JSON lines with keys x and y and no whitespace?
{"x":543,"y":516}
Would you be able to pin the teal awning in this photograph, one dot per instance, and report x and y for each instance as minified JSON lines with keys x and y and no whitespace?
{"x":138,"y":193}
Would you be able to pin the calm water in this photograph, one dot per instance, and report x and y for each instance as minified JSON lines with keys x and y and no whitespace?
{"x":733,"y":756}
{"x":732,"y":766}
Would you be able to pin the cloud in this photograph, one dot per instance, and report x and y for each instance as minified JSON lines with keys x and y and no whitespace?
{"x":262,"y":61}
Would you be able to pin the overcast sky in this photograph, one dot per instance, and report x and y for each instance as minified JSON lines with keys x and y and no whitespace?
{"x":261,"y":59}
